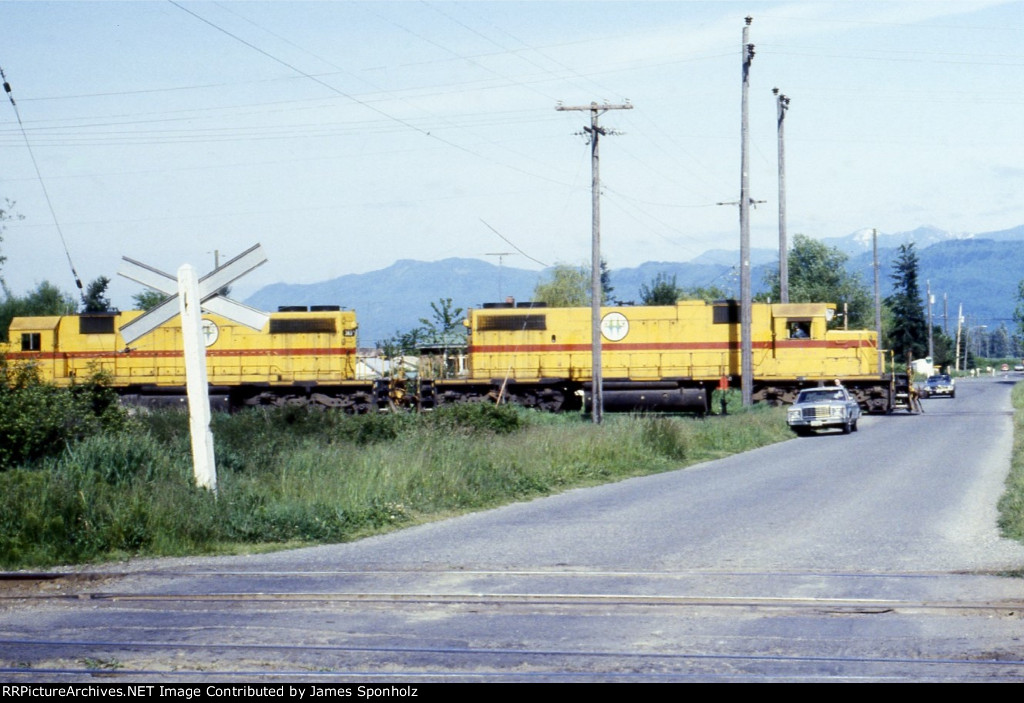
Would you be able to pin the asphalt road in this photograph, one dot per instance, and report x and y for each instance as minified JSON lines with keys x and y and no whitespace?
{"x":870,"y":556}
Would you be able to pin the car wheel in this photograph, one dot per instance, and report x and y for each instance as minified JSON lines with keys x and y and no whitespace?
{"x":847,"y":428}
{"x":854,"y":427}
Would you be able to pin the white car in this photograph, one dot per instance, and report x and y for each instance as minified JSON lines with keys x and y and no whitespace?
{"x":828,"y":406}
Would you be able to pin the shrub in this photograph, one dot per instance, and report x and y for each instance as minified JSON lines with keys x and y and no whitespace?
{"x":38,"y":419}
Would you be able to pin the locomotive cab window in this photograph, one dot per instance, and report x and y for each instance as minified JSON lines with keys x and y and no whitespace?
{"x":31,"y":341}
{"x":799,"y":329}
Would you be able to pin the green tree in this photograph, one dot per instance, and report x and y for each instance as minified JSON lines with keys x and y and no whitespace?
{"x":708,"y":294}
{"x":908,"y":332}
{"x":662,"y":291}
{"x":817,"y":274}
{"x":148,"y":299}
{"x":1018,"y":313}
{"x":402,"y":343}
{"x":444,"y":327}
{"x":437,"y":335}
{"x":46,"y":299}
{"x":565,"y":286}
{"x":95,"y":297}
{"x":944,"y":348}
{"x":606,"y":282}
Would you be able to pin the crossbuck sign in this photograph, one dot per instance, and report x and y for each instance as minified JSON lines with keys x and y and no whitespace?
{"x":189,"y":296}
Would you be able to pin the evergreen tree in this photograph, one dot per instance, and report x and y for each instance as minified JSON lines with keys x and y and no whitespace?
{"x":95,"y":298}
{"x":661,"y":291}
{"x":606,"y":283}
{"x":908,"y":331}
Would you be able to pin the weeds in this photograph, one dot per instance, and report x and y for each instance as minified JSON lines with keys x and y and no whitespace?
{"x":289,"y":476}
{"x":1011,"y":504}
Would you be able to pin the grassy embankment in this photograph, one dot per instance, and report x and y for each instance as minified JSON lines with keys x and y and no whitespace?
{"x":1011,"y":505}
{"x":287,"y":477}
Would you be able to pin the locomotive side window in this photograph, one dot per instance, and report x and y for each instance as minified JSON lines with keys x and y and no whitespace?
{"x":31,"y":341}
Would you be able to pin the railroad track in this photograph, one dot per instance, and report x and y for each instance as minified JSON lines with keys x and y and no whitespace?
{"x":308,"y":635}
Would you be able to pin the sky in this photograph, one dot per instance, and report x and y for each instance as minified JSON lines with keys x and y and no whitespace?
{"x":344,"y":136}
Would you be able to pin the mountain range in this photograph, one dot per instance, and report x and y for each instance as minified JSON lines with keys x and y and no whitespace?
{"x":979,"y":271}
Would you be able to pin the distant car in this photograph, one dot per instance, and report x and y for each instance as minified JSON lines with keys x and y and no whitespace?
{"x":829,"y":406}
{"x":1018,"y":367}
{"x":1004,"y":367}
{"x":940,"y":384}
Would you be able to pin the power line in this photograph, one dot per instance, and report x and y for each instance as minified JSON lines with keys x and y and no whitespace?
{"x":42,"y":183}
{"x":512,"y":244}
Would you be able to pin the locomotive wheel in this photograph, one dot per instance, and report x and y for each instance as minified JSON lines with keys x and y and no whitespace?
{"x":550,"y":400}
{"x":362,"y":403}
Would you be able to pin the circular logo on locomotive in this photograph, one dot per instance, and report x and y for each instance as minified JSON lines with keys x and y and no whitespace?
{"x":210,"y":332}
{"x":614,"y":326}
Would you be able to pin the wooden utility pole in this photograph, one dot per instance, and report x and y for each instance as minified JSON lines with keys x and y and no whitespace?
{"x":595,"y":132}
{"x":783,"y":105}
{"x":931,"y":339}
{"x":878,"y":300}
{"x":746,"y":304}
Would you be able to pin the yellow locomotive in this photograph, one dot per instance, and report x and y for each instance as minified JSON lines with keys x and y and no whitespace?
{"x":299,"y":356}
{"x":661,"y":357}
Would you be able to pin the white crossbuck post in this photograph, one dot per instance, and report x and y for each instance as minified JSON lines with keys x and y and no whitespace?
{"x":187,"y":296}
{"x":196,"y":381}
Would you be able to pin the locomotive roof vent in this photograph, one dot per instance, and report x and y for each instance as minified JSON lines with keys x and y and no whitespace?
{"x":292,"y":308}
{"x":324,"y":308}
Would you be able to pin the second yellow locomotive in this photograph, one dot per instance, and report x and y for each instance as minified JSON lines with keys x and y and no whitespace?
{"x":662,"y":357}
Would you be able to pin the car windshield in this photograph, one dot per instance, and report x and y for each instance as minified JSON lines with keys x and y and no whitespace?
{"x":938,"y":379}
{"x":820,"y":394}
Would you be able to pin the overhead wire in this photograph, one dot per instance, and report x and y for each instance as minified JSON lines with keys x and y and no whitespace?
{"x":42,"y":181}
{"x":394,"y":118}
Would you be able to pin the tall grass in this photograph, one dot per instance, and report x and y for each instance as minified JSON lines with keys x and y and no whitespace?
{"x":1011,"y":505}
{"x":292,"y":476}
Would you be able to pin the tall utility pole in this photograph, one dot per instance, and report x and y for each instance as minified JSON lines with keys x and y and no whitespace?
{"x":746,"y":305}
{"x":878,"y":300}
{"x":931,"y":301}
{"x":596,"y":132}
{"x":945,"y":314}
{"x":783,"y":103}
